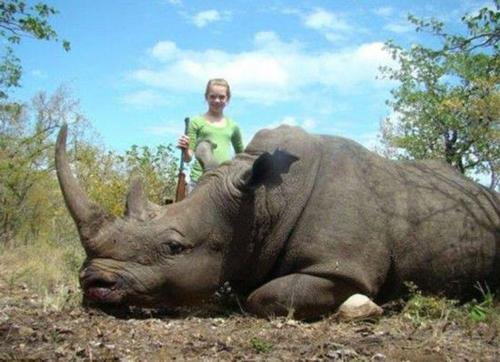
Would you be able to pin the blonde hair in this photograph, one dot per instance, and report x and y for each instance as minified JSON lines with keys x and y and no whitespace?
{"x":221,"y":82}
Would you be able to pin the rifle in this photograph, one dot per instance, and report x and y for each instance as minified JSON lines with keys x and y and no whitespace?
{"x":180,"y":193}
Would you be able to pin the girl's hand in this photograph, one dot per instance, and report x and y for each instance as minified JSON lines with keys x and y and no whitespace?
{"x":183,"y":142}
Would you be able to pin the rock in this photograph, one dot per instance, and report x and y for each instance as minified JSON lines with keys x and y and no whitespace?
{"x":342,"y":354}
{"x":358,"y":306}
{"x":378,"y":357}
{"x":60,"y":351}
{"x":25,"y":331}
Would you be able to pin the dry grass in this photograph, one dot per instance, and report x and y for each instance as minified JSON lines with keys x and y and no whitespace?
{"x":41,"y":318}
{"x":50,"y":270}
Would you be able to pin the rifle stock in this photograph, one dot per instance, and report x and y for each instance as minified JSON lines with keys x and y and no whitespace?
{"x":180,"y":192}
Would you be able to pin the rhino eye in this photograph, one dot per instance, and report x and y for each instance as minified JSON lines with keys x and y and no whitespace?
{"x":172,"y":247}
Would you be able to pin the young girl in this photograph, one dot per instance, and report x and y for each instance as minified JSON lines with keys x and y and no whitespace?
{"x":212,"y":126}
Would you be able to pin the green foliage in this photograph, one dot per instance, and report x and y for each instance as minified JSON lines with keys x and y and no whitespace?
{"x":420,"y":308}
{"x":39,"y":244}
{"x":261,"y":345}
{"x":158,"y":168}
{"x":32,"y":204}
{"x":447,"y":104}
{"x":28,"y":189}
{"x":484,"y":310}
{"x":96,"y":171}
{"x":105,"y":175}
{"x":18,"y":20}
{"x":47,"y":267}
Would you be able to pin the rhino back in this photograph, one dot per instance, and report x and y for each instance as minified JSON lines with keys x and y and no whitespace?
{"x":375,"y":222}
{"x":445,"y":232}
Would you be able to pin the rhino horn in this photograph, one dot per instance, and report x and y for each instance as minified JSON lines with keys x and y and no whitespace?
{"x":138,"y":206}
{"x":88,"y":216}
{"x":205,"y":155}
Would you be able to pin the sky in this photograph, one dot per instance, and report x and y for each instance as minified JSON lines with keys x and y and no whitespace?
{"x":139,"y":68}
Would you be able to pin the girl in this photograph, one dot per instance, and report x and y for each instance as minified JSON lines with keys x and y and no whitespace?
{"x":212,"y":126}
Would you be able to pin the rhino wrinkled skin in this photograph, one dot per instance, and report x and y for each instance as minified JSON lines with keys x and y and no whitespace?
{"x":297,"y":223}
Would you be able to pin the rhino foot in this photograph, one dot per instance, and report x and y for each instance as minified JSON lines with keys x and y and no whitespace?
{"x":358,"y":306}
{"x":298,"y":296}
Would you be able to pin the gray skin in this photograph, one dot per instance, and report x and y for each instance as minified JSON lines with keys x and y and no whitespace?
{"x":204,"y":155}
{"x":297,"y":223}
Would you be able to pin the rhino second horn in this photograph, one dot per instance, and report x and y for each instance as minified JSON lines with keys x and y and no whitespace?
{"x":204,"y":153}
{"x":88,"y":216}
{"x":138,"y":206}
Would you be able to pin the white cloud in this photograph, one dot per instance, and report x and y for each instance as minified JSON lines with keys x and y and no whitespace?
{"x":384,"y":11}
{"x":308,"y":123}
{"x":484,"y":179}
{"x":145,"y":99}
{"x":203,"y":18}
{"x":165,"y":129}
{"x":330,"y":24}
{"x":399,"y":27}
{"x":321,"y":19}
{"x":271,"y":72}
{"x":164,"y":50}
{"x":37,"y":73}
{"x":289,"y":120}
{"x":370,"y":140}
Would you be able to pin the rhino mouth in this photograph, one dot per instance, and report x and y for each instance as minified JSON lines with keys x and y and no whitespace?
{"x":102,"y":290}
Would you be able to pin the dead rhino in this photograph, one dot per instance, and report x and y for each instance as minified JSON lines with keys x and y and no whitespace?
{"x":297,"y":223}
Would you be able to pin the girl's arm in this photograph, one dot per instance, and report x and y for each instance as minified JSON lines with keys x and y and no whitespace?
{"x":236,"y":140}
{"x":183,"y":143}
{"x":193,"y":131}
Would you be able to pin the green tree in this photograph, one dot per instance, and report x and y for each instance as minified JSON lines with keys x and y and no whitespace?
{"x":18,"y":20}
{"x":158,"y":167}
{"x":447,"y":103}
{"x":28,"y":189}
{"x":105,"y":175}
{"x":32,"y":207}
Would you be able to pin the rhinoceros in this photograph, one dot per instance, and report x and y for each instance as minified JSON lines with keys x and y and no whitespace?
{"x":296,"y":223}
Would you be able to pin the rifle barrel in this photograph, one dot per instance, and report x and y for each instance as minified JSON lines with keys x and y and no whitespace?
{"x":181,"y":179}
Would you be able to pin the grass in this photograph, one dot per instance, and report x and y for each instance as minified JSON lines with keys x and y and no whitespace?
{"x":260,"y":345}
{"x":423,"y":309}
{"x":484,"y":310}
{"x":48,"y":269}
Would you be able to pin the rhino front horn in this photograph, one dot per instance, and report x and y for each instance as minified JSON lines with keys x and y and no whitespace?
{"x":88,"y":216}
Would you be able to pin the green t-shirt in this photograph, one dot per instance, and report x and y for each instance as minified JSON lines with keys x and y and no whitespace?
{"x":224,"y":137}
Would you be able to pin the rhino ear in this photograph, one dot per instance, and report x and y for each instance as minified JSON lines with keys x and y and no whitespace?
{"x":268,"y":168}
{"x":138,"y":206}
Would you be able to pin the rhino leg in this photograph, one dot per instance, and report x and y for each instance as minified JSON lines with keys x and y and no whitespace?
{"x":300,"y":296}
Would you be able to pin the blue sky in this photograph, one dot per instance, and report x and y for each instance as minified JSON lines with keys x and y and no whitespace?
{"x":139,"y":67}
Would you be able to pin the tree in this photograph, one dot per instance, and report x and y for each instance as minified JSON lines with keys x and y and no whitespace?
{"x":447,"y":104}
{"x":28,"y":188}
{"x":30,"y":198}
{"x":17,"y":20}
{"x":105,"y":175}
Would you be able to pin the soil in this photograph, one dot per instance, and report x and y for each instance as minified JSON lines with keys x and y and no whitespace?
{"x":30,"y":330}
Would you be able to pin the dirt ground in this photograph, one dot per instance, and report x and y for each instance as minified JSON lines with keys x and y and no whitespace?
{"x":29,"y":330}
